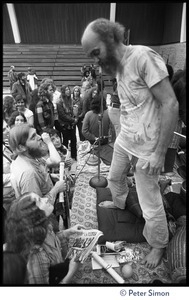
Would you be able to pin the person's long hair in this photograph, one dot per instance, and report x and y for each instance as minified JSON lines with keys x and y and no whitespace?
{"x":89,"y":95}
{"x":13,"y":116}
{"x":18,"y":135}
{"x":8,"y":105}
{"x":26,"y":225}
{"x":66,"y":100}
{"x":43,"y":90}
{"x":79,"y":89}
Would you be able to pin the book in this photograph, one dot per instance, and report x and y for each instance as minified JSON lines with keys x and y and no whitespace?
{"x":81,"y":246}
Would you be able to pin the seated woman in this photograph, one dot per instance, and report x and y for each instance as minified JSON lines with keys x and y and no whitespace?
{"x":90,"y":128}
{"x":30,"y":232}
{"x":16,"y":118}
{"x":21,"y":107}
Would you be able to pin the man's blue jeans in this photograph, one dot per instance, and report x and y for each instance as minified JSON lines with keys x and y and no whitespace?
{"x":150,"y":199}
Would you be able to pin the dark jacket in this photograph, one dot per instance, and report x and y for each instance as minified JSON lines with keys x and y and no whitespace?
{"x":44,"y":112}
{"x":18,"y":90}
{"x":65,"y":118}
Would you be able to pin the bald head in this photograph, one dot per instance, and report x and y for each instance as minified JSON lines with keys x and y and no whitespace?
{"x":101,"y":41}
{"x":105,"y":29}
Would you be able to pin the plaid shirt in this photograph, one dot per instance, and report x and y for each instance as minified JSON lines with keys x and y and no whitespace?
{"x":42,"y":257}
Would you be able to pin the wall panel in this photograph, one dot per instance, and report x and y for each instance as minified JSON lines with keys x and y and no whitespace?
{"x":172,"y":23}
{"x":59,"y":23}
{"x":151,"y":23}
{"x":145,"y":21}
{"x":8,"y":37}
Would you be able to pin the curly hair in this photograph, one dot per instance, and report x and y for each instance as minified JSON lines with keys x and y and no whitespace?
{"x":90,"y":93}
{"x":49,"y":80}
{"x":43,"y":89}
{"x":107,"y":29}
{"x":8,"y":104}
{"x":26,"y":225}
{"x":18,"y":135}
{"x":13,"y":116}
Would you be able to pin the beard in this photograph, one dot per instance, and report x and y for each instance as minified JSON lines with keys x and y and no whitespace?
{"x":49,"y":96}
{"x":110,"y":63}
{"x":38,"y":152}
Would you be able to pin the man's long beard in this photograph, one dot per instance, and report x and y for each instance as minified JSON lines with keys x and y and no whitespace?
{"x":38,"y":152}
{"x":109,"y":64}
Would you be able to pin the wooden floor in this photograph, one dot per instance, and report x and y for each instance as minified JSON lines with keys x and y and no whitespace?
{"x":62,"y":63}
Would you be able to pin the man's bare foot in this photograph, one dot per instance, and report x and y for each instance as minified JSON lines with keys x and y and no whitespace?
{"x":153,"y":258}
{"x":107,"y":204}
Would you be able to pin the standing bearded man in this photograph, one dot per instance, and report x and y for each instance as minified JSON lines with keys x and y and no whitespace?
{"x":149,"y":112}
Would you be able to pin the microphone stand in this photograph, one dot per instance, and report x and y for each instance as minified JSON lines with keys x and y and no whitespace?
{"x":99,"y":181}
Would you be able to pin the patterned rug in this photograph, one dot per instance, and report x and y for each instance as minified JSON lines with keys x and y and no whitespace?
{"x":84,"y":212}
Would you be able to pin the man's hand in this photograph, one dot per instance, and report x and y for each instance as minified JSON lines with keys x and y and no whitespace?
{"x":73,"y":267}
{"x":155,"y":164}
{"x":46,"y":138}
{"x":60,"y":186}
{"x":55,"y":177}
{"x":76,"y":229}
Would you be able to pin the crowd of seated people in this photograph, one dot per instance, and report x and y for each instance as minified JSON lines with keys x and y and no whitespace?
{"x":39,"y":124}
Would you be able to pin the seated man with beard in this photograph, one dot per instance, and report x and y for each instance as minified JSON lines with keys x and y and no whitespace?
{"x":28,"y":170}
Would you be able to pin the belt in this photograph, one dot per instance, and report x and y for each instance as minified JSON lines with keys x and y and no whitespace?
{"x":116,"y":105}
